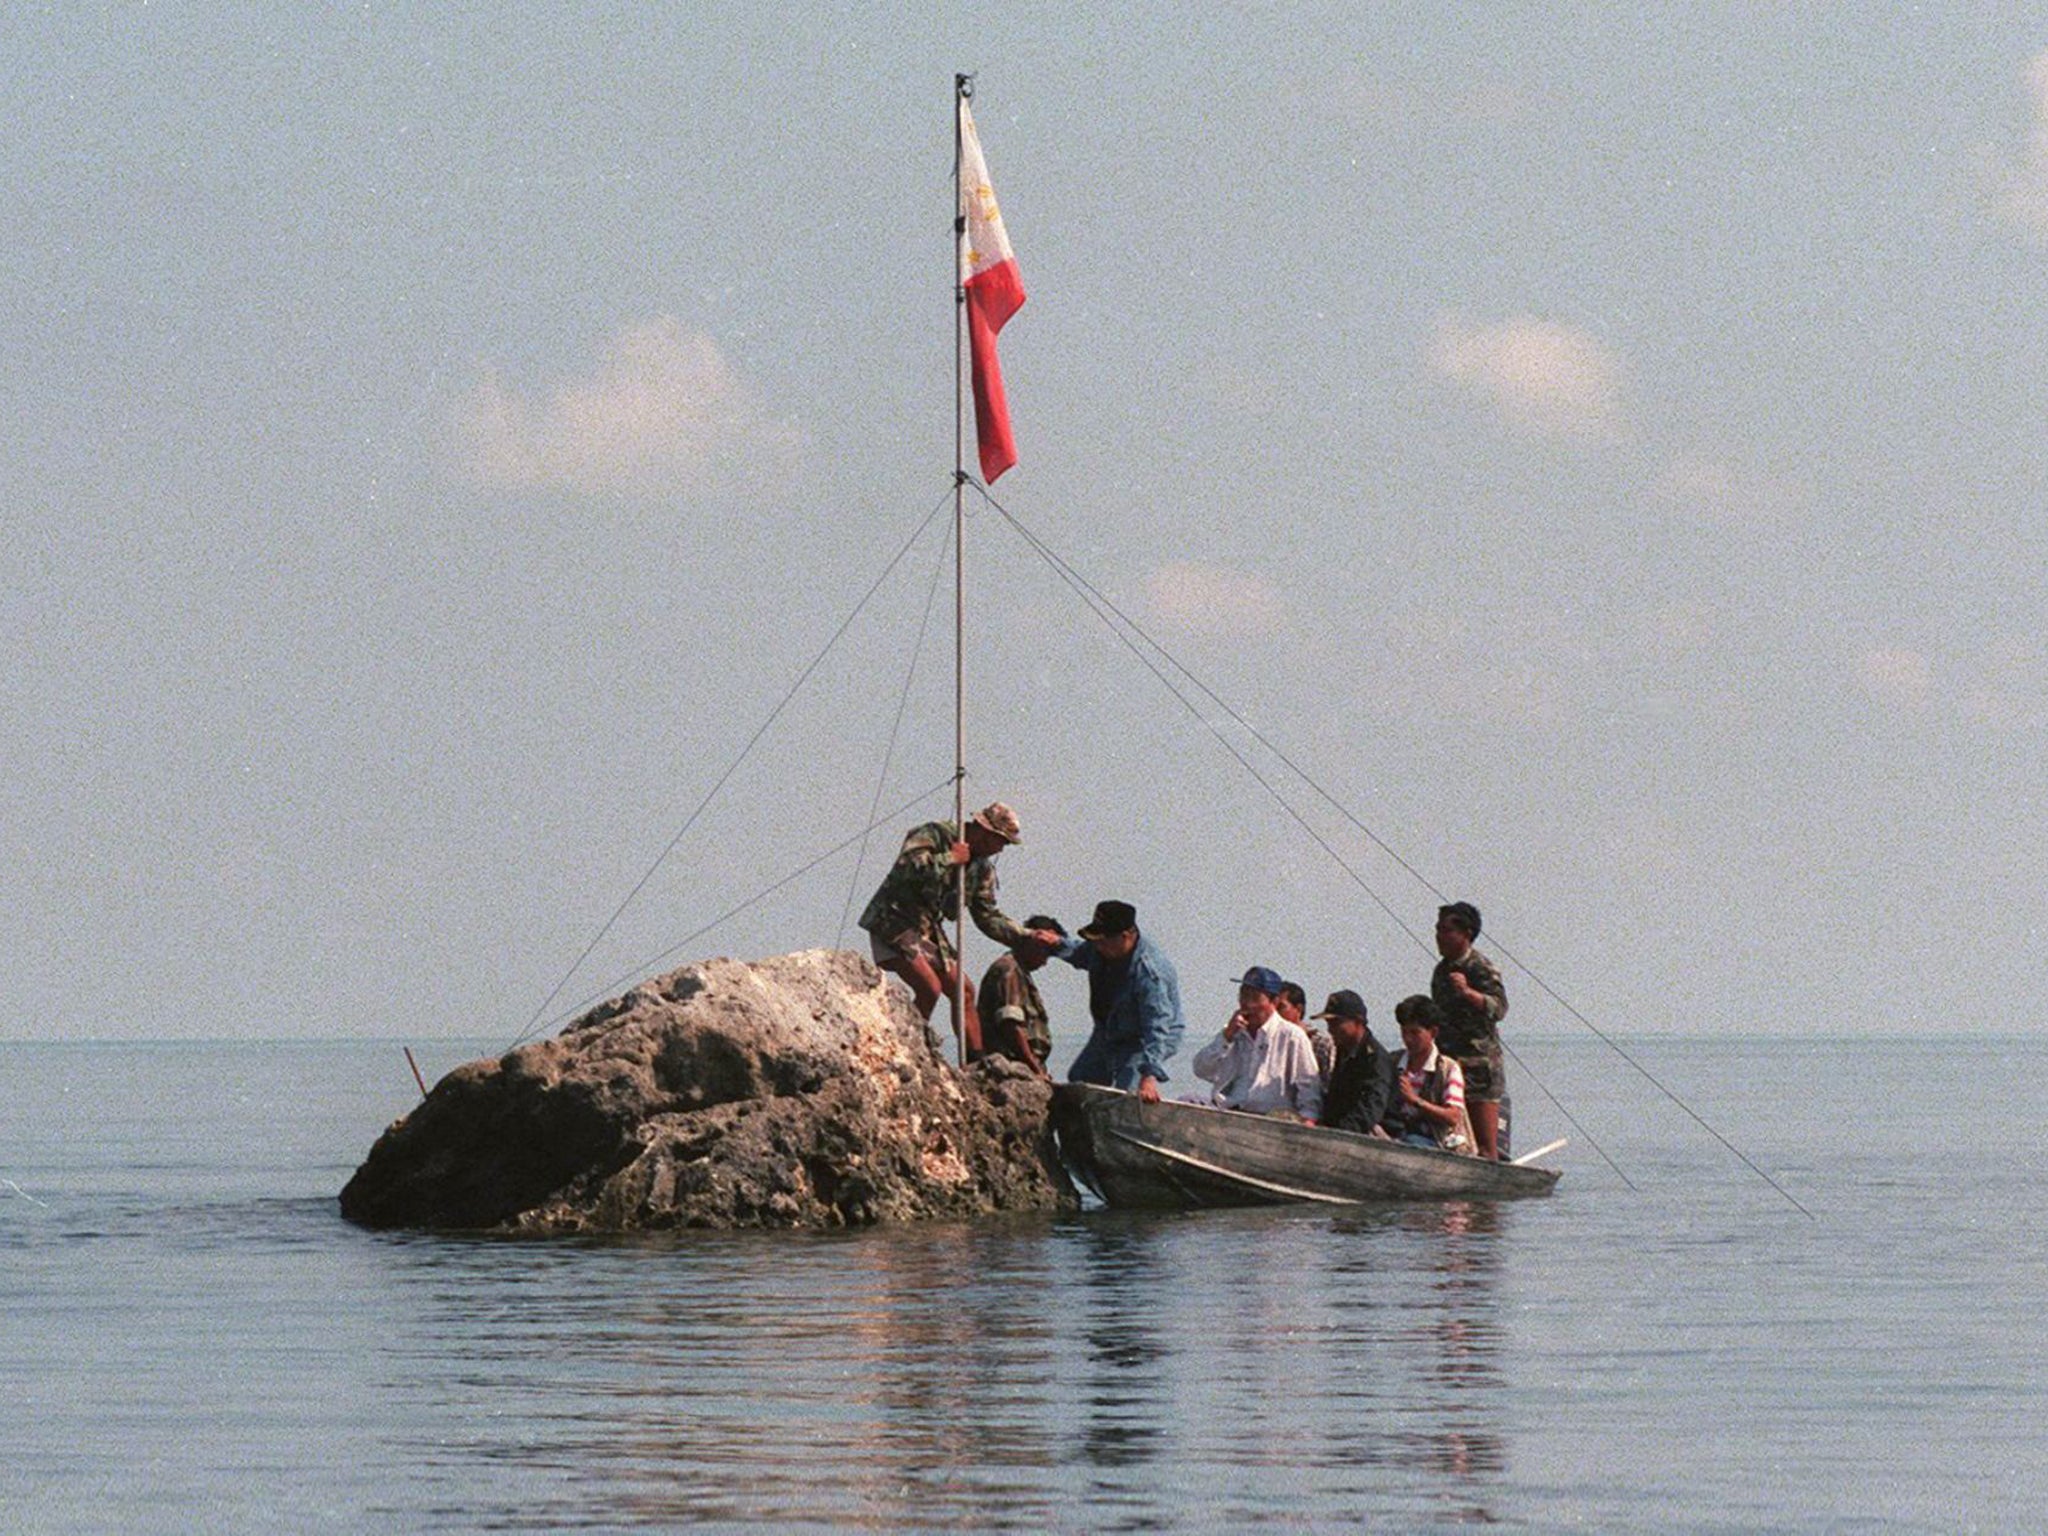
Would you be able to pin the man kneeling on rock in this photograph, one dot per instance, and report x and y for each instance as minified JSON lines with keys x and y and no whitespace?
{"x":906,"y":919}
{"x":1013,"y":1017}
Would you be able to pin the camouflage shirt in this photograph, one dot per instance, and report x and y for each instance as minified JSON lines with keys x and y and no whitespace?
{"x":1009,"y":999}
{"x":915,"y":900}
{"x":1324,"y":1047}
{"x":1467,"y":1030}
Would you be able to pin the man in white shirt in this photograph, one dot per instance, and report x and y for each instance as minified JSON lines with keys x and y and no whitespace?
{"x":1261,"y":1063}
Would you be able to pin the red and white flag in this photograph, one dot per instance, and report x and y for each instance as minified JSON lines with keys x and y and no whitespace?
{"x":995,"y":291}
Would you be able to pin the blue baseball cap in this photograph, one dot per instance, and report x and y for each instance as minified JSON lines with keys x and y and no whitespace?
{"x":1262,"y":978}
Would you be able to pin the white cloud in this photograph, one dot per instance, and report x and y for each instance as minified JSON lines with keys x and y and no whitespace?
{"x":663,"y":412}
{"x":1716,"y":491}
{"x":2022,"y":187}
{"x":1546,"y":378}
{"x":1207,"y":599}
{"x":1668,"y":631}
{"x":2001,"y":685}
{"x":1900,"y":678}
{"x":2009,"y":686}
{"x":1435,"y":666}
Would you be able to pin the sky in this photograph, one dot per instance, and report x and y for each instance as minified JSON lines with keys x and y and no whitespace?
{"x":1601,"y":446}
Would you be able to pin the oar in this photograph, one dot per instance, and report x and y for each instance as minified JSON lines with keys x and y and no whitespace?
{"x":1548,"y":1146}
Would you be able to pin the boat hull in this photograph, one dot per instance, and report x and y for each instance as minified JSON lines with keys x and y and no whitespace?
{"x":1170,"y":1156}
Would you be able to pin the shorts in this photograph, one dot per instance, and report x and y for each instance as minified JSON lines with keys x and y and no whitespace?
{"x":1486,"y":1076}
{"x":907,"y":946}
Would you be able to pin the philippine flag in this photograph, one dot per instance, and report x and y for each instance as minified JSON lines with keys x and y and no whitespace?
{"x":995,"y":291}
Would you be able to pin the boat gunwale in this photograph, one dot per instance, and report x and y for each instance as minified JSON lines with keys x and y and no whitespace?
{"x":1410,"y":1171}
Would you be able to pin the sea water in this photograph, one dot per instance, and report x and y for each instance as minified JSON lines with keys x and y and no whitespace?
{"x":194,"y":1340}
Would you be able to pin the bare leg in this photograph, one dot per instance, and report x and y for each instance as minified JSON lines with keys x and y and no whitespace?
{"x":972,"y":1033}
{"x":927,"y":985}
{"x":1486,"y":1129}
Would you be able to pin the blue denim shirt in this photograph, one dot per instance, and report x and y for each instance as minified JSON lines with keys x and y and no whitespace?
{"x":1142,"y":1026}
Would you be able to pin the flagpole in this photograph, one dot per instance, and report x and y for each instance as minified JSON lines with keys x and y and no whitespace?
{"x":962,"y":89}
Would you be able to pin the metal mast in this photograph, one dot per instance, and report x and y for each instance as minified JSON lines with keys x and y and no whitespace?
{"x":963,"y":88}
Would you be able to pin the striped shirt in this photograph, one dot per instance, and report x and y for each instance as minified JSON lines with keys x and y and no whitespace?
{"x":1453,"y":1078}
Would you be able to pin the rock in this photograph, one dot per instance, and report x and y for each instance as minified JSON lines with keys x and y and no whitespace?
{"x":801,"y":1090}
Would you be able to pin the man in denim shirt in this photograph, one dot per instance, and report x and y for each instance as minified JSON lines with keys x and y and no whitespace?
{"x":1134,"y":998}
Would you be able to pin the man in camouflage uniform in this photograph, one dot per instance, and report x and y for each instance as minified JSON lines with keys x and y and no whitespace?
{"x":1467,"y":988}
{"x":1013,"y":1017}
{"x":906,"y":919}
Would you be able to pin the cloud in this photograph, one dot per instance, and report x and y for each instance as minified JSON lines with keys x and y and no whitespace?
{"x":663,"y":412}
{"x":1668,"y":631}
{"x":1715,"y":491}
{"x":1900,"y":678}
{"x":2009,"y":690}
{"x":2001,"y":685}
{"x":2021,"y":187}
{"x":1542,"y":377}
{"x":1206,"y":599}
{"x":1437,"y":666}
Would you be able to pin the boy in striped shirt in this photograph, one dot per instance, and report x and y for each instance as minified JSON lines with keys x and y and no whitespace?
{"x":1429,"y":1087}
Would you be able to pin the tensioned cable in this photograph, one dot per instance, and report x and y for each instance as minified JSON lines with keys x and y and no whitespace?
{"x":1385,"y":848}
{"x":640,"y":971}
{"x":1101,"y":606}
{"x":895,"y":729}
{"x":712,"y":793}
{"x":1079,"y":583}
{"x":1097,"y":603}
{"x":1615,"y":1046}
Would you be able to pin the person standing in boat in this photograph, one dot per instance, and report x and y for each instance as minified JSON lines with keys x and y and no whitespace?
{"x":906,"y":919}
{"x":1013,"y":1017}
{"x":1361,"y":1088}
{"x":1134,"y":999}
{"x":1261,"y":1063}
{"x":1429,"y":1087}
{"x":1466,"y":986}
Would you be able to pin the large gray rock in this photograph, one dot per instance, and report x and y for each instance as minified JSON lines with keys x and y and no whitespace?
{"x":801,"y":1090}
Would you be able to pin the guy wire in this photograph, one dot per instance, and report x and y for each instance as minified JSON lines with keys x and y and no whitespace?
{"x":712,"y":793}
{"x":1103,"y":606}
{"x":895,"y":729}
{"x":1427,"y":884}
{"x":641,"y":971}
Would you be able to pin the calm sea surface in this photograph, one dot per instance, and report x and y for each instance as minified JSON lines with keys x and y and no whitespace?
{"x":194,"y":1340}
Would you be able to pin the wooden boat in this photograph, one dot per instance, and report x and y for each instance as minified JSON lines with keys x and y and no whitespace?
{"x":1186,"y":1156}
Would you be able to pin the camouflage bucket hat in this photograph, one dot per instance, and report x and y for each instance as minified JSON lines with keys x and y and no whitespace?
{"x":999,"y":819}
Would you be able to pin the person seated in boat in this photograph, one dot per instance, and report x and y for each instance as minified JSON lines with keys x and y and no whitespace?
{"x":1466,"y":985}
{"x":1259,"y":1062}
{"x":1429,"y":1088}
{"x":1133,"y":998}
{"x":906,"y":918}
{"x":1361,"y":1087}
{"x":1293,"y":1007}
{"x":1013,"y":1017}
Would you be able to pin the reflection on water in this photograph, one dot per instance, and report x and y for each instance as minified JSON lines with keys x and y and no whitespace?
{"x":1121,"y":1385}
{"x":195,"y":1341}
{"x":1005,"y":1374}
{"x":1460,"y":1332}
